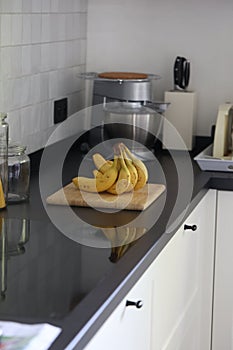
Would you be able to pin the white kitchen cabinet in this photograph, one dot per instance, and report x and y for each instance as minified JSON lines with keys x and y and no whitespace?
{"x":128,"y":327}
{"x":223,"y":286}
{"x":176,"y":292}
{"x":183,"y":282}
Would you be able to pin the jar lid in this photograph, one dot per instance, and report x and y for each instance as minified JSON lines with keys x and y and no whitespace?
{"x":15,"y":149}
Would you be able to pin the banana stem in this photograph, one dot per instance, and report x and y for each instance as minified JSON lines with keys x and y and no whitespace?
{"x":131,"y":156}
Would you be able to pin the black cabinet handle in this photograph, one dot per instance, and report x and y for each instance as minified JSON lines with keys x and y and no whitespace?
{"x":190,"y":227}
{"x":138,"y":304}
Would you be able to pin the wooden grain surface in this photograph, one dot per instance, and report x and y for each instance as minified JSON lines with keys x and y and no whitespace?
{"x":136,"y":200}
{"x":122,"y":75}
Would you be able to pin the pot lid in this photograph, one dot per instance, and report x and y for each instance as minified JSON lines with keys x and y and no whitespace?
{"x":119,"y":76}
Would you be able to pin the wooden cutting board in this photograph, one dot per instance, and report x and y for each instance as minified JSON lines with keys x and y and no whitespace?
{"x":123,"y":75}
{"x":137,"y":200}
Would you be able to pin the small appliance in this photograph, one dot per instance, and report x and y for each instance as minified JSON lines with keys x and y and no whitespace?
{"x":181,"y":73}
{"x":182,"y":112}
{"x":219,"y":155}
{"x":223,"y":137}
{"x":128,"y":109}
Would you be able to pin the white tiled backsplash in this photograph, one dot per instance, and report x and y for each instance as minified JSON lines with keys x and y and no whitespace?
{"x":42,"y":48}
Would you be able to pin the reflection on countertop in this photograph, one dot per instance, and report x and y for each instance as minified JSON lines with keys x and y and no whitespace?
{"x":14,"y":234}
{"x":121,"y":239}
{"x":44,"y":274}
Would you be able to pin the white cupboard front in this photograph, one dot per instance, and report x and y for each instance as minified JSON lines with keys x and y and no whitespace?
{"x":223,"y":288}
{"x":128,"y":327}
{"x":176,"y":292}
{"x":183,"y":282}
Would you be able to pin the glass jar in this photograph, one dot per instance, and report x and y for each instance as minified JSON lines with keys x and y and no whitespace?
{"x":18,"y":173}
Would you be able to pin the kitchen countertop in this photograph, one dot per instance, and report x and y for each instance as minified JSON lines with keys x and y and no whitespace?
{"x":53,"y":277}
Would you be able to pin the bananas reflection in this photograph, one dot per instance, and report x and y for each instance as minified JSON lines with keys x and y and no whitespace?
{"x":121,"y":238}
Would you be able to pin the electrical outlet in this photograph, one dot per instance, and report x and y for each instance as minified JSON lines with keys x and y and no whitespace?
{"x":60,"y":112}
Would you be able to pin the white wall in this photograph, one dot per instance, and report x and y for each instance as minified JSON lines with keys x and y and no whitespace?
{"x":42,"y":48}
{"x":147,"y":35}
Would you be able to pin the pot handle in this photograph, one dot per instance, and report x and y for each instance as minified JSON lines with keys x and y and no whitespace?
{"x":157,"y":106}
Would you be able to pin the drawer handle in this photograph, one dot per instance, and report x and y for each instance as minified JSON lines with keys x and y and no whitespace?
{"x":138,"y":304}
{"x":190,"y":227}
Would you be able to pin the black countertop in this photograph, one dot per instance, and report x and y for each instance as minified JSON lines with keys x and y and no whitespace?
{"x":72,"y":277}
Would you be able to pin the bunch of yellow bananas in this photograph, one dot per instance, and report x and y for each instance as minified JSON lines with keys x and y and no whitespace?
{"x":125,"y":173}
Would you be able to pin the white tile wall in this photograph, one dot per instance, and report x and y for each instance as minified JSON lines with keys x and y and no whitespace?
{"x":42,"y":49}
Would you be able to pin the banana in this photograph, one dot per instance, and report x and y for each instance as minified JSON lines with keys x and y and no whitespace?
{"x":121,"y":239}
{"x":123,"y":181}
{"x":111,"y":235}
{"x":123,"y":174}
{"x":85,"y":184}
{"x":100,"y":183}
{"x":95,"y":172}
{"x":140,"y":231}
{"x":129,"y":235}
{"x":101,"y":163}
{"x":141,"y":169}
{"x":123,"y":234}
{"x":132,"y":170}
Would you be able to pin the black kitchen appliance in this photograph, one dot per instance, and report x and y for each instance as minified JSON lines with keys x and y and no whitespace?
{"x":181,"y":73}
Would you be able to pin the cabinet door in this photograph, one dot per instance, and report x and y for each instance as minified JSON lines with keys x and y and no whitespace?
{"x":223,"y":286}
{"x":128,"y":327}
{"x":183,"y":282}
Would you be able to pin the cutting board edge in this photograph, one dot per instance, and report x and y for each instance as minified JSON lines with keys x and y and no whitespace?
{"x":66,"y":202}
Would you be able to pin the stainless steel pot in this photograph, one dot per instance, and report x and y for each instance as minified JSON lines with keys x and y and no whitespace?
{"x":120,"y":89}
{"x":128,"y":112}
{"x":133,"y":121}
{"x":124,"y":90}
